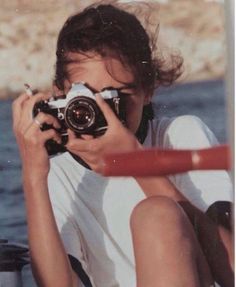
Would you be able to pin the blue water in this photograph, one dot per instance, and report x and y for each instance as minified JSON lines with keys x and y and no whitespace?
{"x":205,"y":99}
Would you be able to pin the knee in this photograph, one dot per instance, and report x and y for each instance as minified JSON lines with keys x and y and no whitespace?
{"x":158,"y":213}
{"x":157,"y":208}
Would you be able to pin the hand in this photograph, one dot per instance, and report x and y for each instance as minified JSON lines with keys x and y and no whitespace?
{"x":116,"y":139}
{"x":31,"y":140}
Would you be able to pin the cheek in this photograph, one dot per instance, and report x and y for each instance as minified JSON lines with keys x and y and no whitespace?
{"x":133,"y":116}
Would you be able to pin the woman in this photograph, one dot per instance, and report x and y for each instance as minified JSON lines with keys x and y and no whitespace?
{"x":73,"y":210}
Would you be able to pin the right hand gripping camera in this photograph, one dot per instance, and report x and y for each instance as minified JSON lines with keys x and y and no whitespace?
{"x":79,"y":112}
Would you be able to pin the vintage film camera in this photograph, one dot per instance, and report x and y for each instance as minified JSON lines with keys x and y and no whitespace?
{"x":78,"y":111}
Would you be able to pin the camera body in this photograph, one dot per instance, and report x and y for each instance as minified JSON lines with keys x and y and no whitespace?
{"x":79,"y":112}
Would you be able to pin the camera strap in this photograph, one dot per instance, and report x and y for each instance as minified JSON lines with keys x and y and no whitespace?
{"x":79,"y":160}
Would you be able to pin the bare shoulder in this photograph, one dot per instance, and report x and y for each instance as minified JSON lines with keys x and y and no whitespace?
{"x":189,"y":131}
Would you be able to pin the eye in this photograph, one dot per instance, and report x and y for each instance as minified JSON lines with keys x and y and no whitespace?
{"x":128,"y":98}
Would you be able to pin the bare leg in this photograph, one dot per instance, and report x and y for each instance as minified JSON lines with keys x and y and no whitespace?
{"x":165,"y":247}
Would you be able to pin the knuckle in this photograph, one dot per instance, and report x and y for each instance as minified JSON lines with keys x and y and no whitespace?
{"x":34,"y":141}
{"x":42,"y":96}
{"x":70,"y":144}
{"x":36,"y":98}
{"x":21,"y":133}
{"x":52,"y":119}
{"x":44,"y":117}
{"x":52,"y":133}
{"x":41,"y":116}
{"x":93,"y":147}
{"x":49,"y":116}
{"x":28,"y":138}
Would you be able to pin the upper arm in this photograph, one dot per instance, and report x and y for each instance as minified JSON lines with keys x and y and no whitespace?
{"x":188,"y":132}
{"x":201,"y":188}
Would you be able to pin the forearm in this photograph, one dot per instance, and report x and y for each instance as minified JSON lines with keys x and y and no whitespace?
{"x":50,"y":263}
{"x":49,"y":259}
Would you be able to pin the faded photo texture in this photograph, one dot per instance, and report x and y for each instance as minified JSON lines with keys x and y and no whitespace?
{"x":28,"y":33}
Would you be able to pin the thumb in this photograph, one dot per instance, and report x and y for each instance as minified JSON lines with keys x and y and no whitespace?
{"x":108,"y":113}
{"x":71,"y":134}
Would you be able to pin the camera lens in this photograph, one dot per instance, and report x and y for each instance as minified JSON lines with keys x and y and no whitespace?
{"x":80,"y":114}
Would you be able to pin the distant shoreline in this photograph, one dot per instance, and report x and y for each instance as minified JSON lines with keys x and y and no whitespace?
{"x":29,"y":31}
{"x":11,"y":95}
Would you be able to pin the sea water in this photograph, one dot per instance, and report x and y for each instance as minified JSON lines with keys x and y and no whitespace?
{"x":205,"y":100}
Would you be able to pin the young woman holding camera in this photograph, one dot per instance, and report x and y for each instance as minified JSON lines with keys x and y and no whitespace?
{"x":118,"y":231}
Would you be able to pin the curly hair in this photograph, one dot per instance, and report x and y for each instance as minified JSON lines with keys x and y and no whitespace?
{"x":111,"y":31}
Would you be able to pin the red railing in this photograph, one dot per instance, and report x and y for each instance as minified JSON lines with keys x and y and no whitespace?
{"x":163,"y":162}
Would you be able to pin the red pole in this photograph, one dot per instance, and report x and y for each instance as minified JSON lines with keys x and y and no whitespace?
{"x":163,"y":162}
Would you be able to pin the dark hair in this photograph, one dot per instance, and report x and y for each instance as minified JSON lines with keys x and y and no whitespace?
{"x":110,"y":31}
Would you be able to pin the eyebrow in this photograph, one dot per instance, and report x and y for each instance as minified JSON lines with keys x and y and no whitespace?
{"x":109,"y":88}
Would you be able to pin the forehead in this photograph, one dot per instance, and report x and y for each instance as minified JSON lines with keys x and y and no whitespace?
{"x":97,"y":71}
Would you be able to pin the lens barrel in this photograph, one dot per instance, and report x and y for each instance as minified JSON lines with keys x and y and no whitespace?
{"x":81,"y":113}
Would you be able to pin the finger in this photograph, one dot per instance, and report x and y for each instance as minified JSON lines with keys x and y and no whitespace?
{"x":27,"y":109}
{"x":87,"y":137}
{"x":108,"y":113}
{"x":19,"y":100}
{"x":71,"y":134}
{"x":17,"y":108}
{"x":79,"y":144}
{"x":43,"y":118}
{"x":56,"y":91}
{"x":51,"y":134}
{"x":36,"y":98}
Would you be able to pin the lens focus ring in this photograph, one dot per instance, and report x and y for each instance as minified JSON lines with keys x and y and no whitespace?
{"x":80,"y":114}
